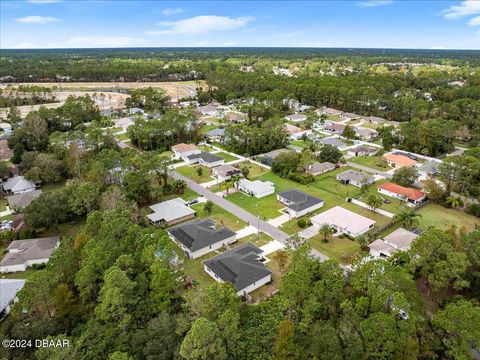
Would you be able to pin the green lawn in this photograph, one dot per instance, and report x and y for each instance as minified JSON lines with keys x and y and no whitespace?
{"x":253,"y":169}
{"x":266,"y":290}
{"x":300,"y":143}
{"x":267,"y":207}
{"x":3,"y":204}
{"x":194,"y":269}
{"x":66,"y":229}
{"x":374,"y":162}
{"x":254,"y":239}
{"x":220,"y":216}
{"x":340,"y":249}
{"x":442,"y":218}
{"x":396,"y":206}
{"x":219,"y":145}
{"x":123,"y":136}
{"x":21,"y":274}
{"x":191,"y":173}
{"x":188,"y":194}
{"x":226,"y":156}
{"x":207,"y":128}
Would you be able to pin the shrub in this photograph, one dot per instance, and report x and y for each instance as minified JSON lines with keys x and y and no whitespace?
{"x":301,"y":223}
{"x":474,"y":209}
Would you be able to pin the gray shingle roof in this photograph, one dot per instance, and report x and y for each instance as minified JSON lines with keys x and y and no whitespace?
{"x":216,"y":132}
{"x":22,"y":200}
{"x":334,"y":142}
{"x":9,"y":287}
{"x":240,"y":266}
{"x":299,"y":200}
{"x":198,"y":234}
{"x":205,"y":156}
{"x":358,"y":176}
{"x":21,"y":251}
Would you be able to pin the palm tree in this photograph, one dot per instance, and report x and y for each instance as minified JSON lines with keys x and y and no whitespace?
{"x":408,"y":218}
{"x":179,"y":186}
{"x":236,"y":178}
{"x":453,"y":201}
{"x":326,"y":230}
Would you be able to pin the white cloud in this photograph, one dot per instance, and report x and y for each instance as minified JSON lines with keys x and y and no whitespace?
{"x":201,"y":25}
{"x":37,"y":20}
{"x":43,"y":1}
{"x":474,"y":21}
{"x":374,"y":3}
{"x":466,"y":8}
{"x":102,"y":41}
{"x":172,"y":11}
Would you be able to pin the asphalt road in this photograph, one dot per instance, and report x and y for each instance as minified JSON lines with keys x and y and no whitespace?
{"x":265,"y":227}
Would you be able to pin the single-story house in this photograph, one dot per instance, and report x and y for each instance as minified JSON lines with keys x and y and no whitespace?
{"x":267,"y":158}
{"x":318,"y":168}
{"x":375,"y":120}
{"x":365,"y":133}
{"x":344,"y":221}
{"x":355,"y":178}
{"x":18,"y":184}
{"x":180,"y":151}
{"x":215,"y":134}
{"x":235,"y":117}
{"x":243,"y":267}
{"x":208,"y":110}
{"x":350,"y":116}
{"x":133,"y":111}
{"x":399,"y":240}
{"x":171,"y":212}
{"x":296,"y":132}
{"x":362,"y":151}
{"x":124,"y":123}
{"x":256,"y":188}
{"x":22,"y":200}
{"x":225,"y":172}
{"x":296,"y":117}
{"x":299,"y":203}
{"x":9,"y":288}
{"x":339,"y":144}
{"x":334,"y":127}
{"x":430,"y":168}
{"x":25,"y":253}
{"x":413,"y":196}
{"x":329,"y":111}
{"x":398,"y":161}
{"x":205,"y":158}
{"x":199,"y":237}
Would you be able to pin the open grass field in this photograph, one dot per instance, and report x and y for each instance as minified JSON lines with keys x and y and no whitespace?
{"x":220,"y":216}
{"x":442,"y":218}
{"x":226,"y":157}
{"x":340,"y":249}
{"x":374,"y":162}
{"x":191,"y":173}
{"x":267,"y":207}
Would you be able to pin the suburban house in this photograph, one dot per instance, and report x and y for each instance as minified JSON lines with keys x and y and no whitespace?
{"x":340,"y":145}
{"x":256,"y":188}
{"x":299,"y":203}
{"x":412,"y":196}
{"x":171,"y":212}
{"x":399,"y":240}
{"x":365,"y":133}
{"x":362,"y":151}
{"x":334,"y":127}
{"x":215,"y":134}
{"x":225,"y":172}
{"x":124,"y":123}
{"x":398,"y":161}
{"x":25,"y":253}
{"x":267,"y":158}
{"x":328,"y":111}
{"x":430,"y":168}
{"x":344,"y":221}
{"x":10,"y":288}
{"x":318,"y":168}
{"x":296,"y":117}
{"x":375,"y":120}
{"x":22,"y":200}
{"x":206,"y":159}
{"x":350,"y":116}
{"x":199,"y":237}
{"x":296,"y":132}
{"x":243,"y":267}
{"x":135,"y":110}
{"x":355,"y":178}
{"x":208,"y":110}
{"x":17,"y":185}
{"x":235,"y":117}
{"x":181,"y":151}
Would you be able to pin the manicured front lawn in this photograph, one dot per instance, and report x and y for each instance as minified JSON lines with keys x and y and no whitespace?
{"x":267,"y":207}
{"x":300,"y":143}
{"x":226,"y":156}
{"x":374,"y":162}
{"x":220,"y":216}
{"x":191,"y":173}
{"x":442,"y":218}
{"x":188,"y":194}
{"x":254,"y":170}
{"x":264,"y":239}
{"x":340,"y":249}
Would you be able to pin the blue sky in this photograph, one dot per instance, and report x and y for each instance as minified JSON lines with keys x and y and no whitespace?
{"x":362,"y":23}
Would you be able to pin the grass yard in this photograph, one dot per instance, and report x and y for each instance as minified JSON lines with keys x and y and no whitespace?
{"x":167,"y":153}
{"x":21,"y":274}
{"x":266,"y":290}
{"x":254,"y":170}
{"x":207,"y":128}
{"x":340,"y":249}
{"x":226,"y":156}
{"x":3,"y":204}
{"x":191,"y":173}
{"x":194,"y":269}
{"x":188,"y":194}
{"x":66,"y":229}
{"x":374,"y":162}
{"x":206,"y":147}
{"x":264,"y":239}
{"x":442,"y":218}
{"x":267,"y":207}
{"x":219,"y":145}
{"x":220,"y":216}
{"x":300,"y":143}
{"x":123,"y":136}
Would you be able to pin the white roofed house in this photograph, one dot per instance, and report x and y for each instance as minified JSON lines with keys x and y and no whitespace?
{"x":375,"y":120}
{"x":340,"y":145}
{"x":171,"y":212}
{"x":8,"y":290}
{"x":200,"y":237}
{"x":243,"y":267}
{"x":399,"y":240}
{"x":181,"y":151}
{"x":18,"y":184}
{"x":299,"y":203}
{"x":328,"y":111}
{"x":296,"y":117}
{"x":26,"y":253}
{"x":344,"y":221}
{"x":205,"y":158}
{"x":362,"y":151}
{"x":365,"y":133}
{"x":355,"y":178}
{"x":350,"y":116}
{"x":296,"y":132}
{"x":318,"y":168}
{"x":256,"y":188}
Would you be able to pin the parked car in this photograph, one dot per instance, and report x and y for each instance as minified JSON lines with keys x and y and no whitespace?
{"x":192,"y":202}
{"x":386,"y":201}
